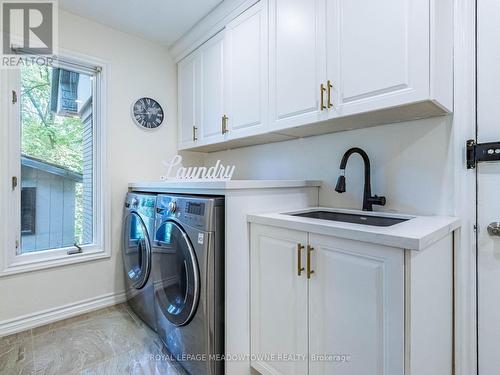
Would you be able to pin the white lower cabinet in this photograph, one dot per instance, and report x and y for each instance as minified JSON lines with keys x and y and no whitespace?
{"x":356,"y":308}
{"x":343,"y":313}
{"x":278,"y":301}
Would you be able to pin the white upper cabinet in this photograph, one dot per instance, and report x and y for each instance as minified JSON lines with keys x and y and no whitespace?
{"x":212,"y":89}
{"x":189,"y":100}
{"x":377,"y":53}
{"x":297,"y":61}
{"x":284,"y":69}
{"x":246,"y":44}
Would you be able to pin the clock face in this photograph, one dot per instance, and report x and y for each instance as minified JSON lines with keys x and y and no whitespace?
{"x":147,"y":113}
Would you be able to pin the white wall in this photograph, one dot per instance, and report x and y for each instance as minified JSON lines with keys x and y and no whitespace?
{"x":412,"y":165}
{"x":137,"y":68}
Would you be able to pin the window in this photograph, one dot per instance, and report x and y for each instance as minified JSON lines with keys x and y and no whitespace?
{"x":56,"y":150}
{"x":57,"y":156}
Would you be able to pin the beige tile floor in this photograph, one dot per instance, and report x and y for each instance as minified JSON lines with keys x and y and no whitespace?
{"x":110,"y":341}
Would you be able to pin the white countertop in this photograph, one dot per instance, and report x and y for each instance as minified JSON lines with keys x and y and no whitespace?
{"x":169,"y":186}
{"x":417,"y":233}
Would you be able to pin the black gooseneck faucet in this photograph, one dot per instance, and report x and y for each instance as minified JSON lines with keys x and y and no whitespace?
{"x":368,"y":200}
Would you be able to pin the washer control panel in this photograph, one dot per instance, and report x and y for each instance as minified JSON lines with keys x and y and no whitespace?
{"x":196,"y":212}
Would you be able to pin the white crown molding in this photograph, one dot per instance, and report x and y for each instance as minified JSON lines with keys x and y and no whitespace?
{"x":210,"y":25}
{"x":43,"y":317}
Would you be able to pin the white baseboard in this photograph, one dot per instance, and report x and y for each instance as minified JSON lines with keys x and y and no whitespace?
{"x":43,"y":317}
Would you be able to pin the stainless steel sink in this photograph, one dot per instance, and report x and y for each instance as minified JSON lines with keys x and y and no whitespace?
{"x":378,"y":221}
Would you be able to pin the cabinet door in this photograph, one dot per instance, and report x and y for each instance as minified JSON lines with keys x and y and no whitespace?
{"x":297,"y":61}
{"x":356,"y":308}
{"x":278,"y":321}
{"x":212,"y":89}
{"x":189,"y":100}
{"x":246,"y":43}
{"x":378,"y":53}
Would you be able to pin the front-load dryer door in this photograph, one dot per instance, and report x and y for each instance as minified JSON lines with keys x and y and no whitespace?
{"x":136,"y":251}
{"x":177,"y":285}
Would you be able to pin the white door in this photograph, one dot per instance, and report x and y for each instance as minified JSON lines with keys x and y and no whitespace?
{"x":297,"y":61}
{"x":246,"y":44}
{"x":356,"y":313}
{"x":278,"y":322}
{"x":189,"y":99}
{"x":212,"y":89}
{"x":378,"y":54}
{"x":488,"y":175}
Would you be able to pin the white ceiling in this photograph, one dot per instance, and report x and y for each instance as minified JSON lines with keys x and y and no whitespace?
{"x":162,"y":21}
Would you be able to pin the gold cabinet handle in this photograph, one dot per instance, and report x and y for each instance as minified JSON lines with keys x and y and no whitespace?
{"x":224,"y":124}
{"x":309,"y":271}
{"x":195,"y":129}
{"x":322,"y":92}
{"x":300,"y":247}
{"x":330,"y":86}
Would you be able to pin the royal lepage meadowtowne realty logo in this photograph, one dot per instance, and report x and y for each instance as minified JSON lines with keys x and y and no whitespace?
{"x":29,"y":32}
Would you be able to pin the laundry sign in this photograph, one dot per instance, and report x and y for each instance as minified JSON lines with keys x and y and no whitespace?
{"x":217,"y":172}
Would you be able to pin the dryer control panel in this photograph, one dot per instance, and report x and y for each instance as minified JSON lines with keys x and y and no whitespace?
{"x":144,"y":204}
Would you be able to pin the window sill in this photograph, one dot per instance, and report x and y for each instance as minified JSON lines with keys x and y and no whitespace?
{"x":30,"y":266}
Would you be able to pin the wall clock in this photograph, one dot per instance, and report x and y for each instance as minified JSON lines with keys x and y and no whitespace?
{"x":147,"y":113}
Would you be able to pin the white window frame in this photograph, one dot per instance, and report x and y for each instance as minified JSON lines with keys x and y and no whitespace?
{"x":10,"y":220}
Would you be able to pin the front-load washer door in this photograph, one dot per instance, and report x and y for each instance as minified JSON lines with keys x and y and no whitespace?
{"x":177,"y":286}
{"x":136,"y":251}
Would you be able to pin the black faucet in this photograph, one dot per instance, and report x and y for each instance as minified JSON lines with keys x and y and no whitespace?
{"x":368,"y":200}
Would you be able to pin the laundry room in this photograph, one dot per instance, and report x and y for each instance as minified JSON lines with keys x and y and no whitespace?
{"x":243,"y":187}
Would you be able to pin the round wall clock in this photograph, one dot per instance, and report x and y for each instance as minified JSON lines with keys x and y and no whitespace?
{"x":147,"y":113}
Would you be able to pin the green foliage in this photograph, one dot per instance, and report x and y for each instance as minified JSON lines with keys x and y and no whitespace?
{"x":46,"y":136}
{"x":51,"y":138}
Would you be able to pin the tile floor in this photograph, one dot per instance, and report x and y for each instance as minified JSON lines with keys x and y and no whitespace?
{"x":110,"y":341}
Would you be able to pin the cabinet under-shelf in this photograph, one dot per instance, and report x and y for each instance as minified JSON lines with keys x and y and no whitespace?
{"x":414,"y":111}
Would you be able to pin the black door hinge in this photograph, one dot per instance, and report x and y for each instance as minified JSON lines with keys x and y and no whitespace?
{"x":14,"y":97}
{"x":479,"y":152}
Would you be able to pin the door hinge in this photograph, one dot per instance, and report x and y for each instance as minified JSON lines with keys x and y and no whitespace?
{"x":14,"y":97}
{"x":17,"y":244}
{"x":14,"y":182}
{"x":479,"y":152}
